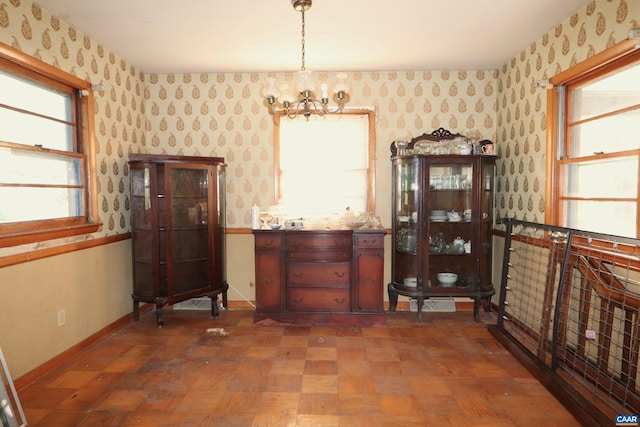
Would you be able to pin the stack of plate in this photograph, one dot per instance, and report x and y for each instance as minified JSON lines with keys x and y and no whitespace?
{"x":438,"y":215}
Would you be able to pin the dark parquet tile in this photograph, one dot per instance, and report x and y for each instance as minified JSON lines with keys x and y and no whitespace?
{"x":447,"y":371}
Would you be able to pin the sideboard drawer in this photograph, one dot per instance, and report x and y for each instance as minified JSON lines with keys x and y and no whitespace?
{"x":312,"y":275}
{"x":268,"y":240}
{"x":320,"y":255}
{"x":369,"y":241}
{"x":313,"y":241}
{"x":318,"y":300}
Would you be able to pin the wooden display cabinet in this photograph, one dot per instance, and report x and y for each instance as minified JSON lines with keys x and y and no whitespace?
{"x":177,"y":227}
{"x":442,"y":221}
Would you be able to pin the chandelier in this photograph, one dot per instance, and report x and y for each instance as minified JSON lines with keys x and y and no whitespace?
{"x":280,"y":97}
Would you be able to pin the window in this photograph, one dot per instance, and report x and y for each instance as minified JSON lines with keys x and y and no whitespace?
{"x":45,"y":149}
{"x":325,"y":164}
{"x":597,"y":145}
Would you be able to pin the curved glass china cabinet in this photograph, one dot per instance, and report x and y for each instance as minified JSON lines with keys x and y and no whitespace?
{"x":442,"y":225}
{"x":178,"y":230}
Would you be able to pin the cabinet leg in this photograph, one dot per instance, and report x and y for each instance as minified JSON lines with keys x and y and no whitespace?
{"x":476,"y":309}
{"x":420,"y":302}
{"x":393,"y":299}
{"x":136,"y":309}
{"x":487,"y":304}
{"x":159,"y":315}
{"x":215,"y":311}
{"x":224,"y":299}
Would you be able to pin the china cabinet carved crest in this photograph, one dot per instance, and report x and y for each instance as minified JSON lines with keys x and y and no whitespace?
{"x":442,"y":221}
{"x":177,"y":225}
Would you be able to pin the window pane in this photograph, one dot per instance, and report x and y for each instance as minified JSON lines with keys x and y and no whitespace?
{"x":34,"y":130}
{"x":611,"y":93}
{"x":606,"y":179}
{"x":617,"y":218}
{"x":26,"y":94}
{"x":26,"y":167}
{"x":324,"y":164}
{"x":608,"y":135}
{"x":29,"y":203}
{"x":332,"y":193}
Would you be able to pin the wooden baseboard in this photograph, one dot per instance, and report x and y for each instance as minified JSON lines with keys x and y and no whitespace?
{"x":402,"y":305}
{"x":63,"y":357}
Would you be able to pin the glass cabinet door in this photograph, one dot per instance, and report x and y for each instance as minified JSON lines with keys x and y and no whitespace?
{"x":486,"y":225}
{"x":142,"y":227}
{"x":406,"y":227}
{"x":188,"y":228}
{"x":451,"y":231}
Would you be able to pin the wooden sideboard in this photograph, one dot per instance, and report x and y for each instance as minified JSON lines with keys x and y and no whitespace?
{"x":320,"y":276}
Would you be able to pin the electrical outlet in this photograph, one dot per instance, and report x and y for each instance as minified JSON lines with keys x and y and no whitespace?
{"x":62,"y":317}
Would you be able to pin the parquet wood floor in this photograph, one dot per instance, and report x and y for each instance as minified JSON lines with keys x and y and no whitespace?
{"x":447,"y":371}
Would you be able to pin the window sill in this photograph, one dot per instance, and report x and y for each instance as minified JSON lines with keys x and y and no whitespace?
{"x":38,"y":235}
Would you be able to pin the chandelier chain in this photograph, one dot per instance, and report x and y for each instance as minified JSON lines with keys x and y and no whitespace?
{"x":303,"y":51}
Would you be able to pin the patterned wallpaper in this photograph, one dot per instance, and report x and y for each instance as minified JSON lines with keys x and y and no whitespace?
{"x":216,"y":114}
{"x":224,"y":115}
{"x":521,"y":120}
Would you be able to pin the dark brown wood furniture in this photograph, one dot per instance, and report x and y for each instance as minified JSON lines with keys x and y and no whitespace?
{"x":426,"y":234}
{"x":320,"y":276}
{"x":177,"y":224}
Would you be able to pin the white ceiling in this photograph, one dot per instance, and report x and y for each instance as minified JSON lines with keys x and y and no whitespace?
{"x":192,"y":36}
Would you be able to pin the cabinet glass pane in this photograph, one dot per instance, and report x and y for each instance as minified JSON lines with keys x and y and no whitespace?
{"x":189,"y":192}
{"x":408,"y":181}
{"x":486,"y":226}
{"x":450,"y":225}
{"x":189,"y":229}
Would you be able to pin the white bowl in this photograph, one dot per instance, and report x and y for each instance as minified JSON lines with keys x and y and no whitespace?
{"x":447,"y":278}
{"x":438,"y":212}
{"x":410,"y":282}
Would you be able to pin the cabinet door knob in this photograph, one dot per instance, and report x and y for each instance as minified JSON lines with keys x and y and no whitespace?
{"x":339,"y":273}
{"x":340,"y":300}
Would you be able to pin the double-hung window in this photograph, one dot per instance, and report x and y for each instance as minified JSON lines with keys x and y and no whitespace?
{"x":46,"y":152}
{"x":597,"y":145}
{"x":326,"y":163}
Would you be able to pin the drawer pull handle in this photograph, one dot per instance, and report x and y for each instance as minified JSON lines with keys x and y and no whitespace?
{"x":298,"y":274}
{"x":298,"y":300}
{"x":268,"y":242}
{"x":269,"y":281}
{"x":340,"y":300}
{"x":339,"y":273}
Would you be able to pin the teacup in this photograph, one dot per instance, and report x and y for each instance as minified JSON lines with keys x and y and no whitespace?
{"x":487,"y":149}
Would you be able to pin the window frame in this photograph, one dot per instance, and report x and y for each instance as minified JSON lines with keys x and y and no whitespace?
{"x":371,"y":169}
{"x":25,"y":232}
{"x":615,"y":57}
